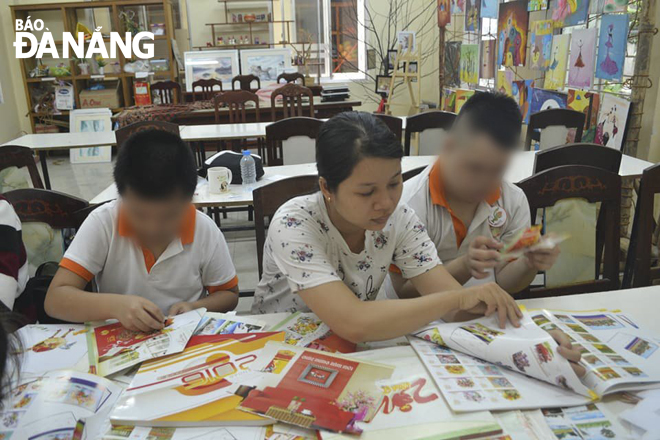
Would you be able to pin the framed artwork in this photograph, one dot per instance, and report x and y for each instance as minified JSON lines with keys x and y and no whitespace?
{"x":211,"y":64}
{"x":472,"y":18}
{"x":267,"y":64}
{"x":461,"y":98}
{"x":587,"y":103}
{"x":406,"y":40}
{"x":470,"y":63}
{"x":540,"y":51}
{"x":522,"y":92}
{"x":489,"y":8}
{"x":555,"y":77}
{"x":612,"y":46}
{"x":444,"y":12}
{"x":412,"y":67}
{"x":512,"y":26}
{"x":612,"y":120}
{"x":452,"y":64}
{"x":487,"y":66}
{"x":582,"y":58}
{"x":505,"y":82}
{"x":449,"y":101}
{"x":537,"y":5}
{"x":457,"y":6}
{"x":90,"y":120}
{"x":569,"y":13}
{"x":391,"y":58}
{"x":614,"y":6}
{"x":545,"y":99}
{"x":383,"y":84}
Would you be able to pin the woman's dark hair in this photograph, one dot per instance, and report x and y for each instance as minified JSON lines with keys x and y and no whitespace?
{"x":10,"y":347}
{"x":349,"y":137}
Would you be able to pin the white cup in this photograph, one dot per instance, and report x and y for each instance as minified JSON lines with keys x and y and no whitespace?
{"x":219,"y":180}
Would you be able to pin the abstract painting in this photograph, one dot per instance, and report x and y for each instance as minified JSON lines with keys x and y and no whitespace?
{"x":537,"y":5}
{"x":489,"y":8}
{"x":541,"y":45}
{"x":461,"y":97}
{"x":470,"y":63}
{"x":522,"y":93}
{"x":582,"y":59}
{"x":452,"y":64}
{"x":587,"y":103}
{"x":612,"y":121}
{"x":615,"y":5}
{"x":545,"y":99}
{"x":472,"y":20}
{"x":612,"y":46}
{"x":505,"y":82}
{"x":444,"y":12}
{"x":487,"y":66}
{"x":457,"y":6}
{"x":512,"y":33}
{"x":569,"y":12}
{"x":556,"y":74}
{"x":449,"y":101}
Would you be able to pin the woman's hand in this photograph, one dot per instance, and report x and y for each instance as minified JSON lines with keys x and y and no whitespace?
{"x":487,"y":299}
{"x":566,"y":350}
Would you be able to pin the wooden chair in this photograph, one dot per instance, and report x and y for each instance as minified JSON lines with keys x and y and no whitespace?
{"x":292,"y":101}
{"x":280,"y":131}
{"x":638,"y":271}
{"x":19,"y":157}
{"x":207,"y":86}
{"x":412,"y":173}
{"x":548,"y":187}
{"x":269,"y":198}
{"x":424,"y":121}
{"x":169,"y":92}
{"x":125,"y":132}
{"x":394,"y":123}
{"x":291,"y":77}
{"x":245,"y":82}
{"x":235,"y":101}
{"x":554,"y":117}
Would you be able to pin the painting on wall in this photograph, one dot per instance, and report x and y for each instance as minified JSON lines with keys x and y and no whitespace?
{"x":612,"y":120}
{"x":489,"y":8}
{"x":596,"y":6}
{"x":449,"y":101}
{"x":537,"y":5}
{"x":462,"y":95}
{"x":569,"y":12}
{"x":452,"y":64}
{"x":544,"y":99}
{"x":614,"y":6}
{"x":472,"y":11}
{"x":587,"y":103}
{"x":612,"y":46}
{"x":267,"y":64}
{"x":512,"y":33}
{"x":582,"y":58}
{"x":457,"y":6}
{"x":91,"y":120}
{"x":444,"y":12}
{"x":470,"y":63}
{"x":505,"y":82}
{"x":555,"y":76}
{"x":211,"y":64}
{"x":541,"y":45}
{"x":487,"y":65}
{"x":522,"y":93}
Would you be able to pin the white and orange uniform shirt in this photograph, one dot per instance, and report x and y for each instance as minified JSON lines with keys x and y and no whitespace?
{"x":198,"y":261}
{"x":500,"y":216}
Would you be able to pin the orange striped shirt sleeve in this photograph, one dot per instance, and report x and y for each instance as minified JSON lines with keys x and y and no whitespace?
{"x":226,"y":286}
{"x":77,"y":269}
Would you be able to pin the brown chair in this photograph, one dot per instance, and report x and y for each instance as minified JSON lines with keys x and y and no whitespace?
{"x":245,"y":82}
{"x":291,"y":77}
{"x":394,"y":123}
{"x":127,"y":131}
{"x":639,"y":271}
{"x":16,"y":156}
{"x":269,"y":198}
{"x":424,"y":121}
{"x":280,"y":131}
{"x":207,"y":86}
{"x":594,"y":185}
{"x":554,"y":117}
{"x":412,"y":173}
{"x":169,"y":92}
{"x":292,"y":101}
{"x":235,"y":101}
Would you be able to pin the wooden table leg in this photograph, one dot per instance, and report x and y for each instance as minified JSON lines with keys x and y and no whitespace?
{"x":44,"y":169}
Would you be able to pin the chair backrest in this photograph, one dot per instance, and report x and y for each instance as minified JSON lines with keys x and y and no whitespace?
{"x":594,"y":185}
{"x":269,"y":198}
{"x":169,"y":92}
{"x":593,"y":155}
{"x":555,"y":117}
{"x":235,"y":101}
{"x":207,"y":86}
{"x":412,"y":173}
{"x":291,"y":77}
{"x":245,"y":82}
{"x":125,"y":132}
{"x":279,"y":132}
{"x":394,"y":123}
{"x":56,"y":209}
{"x":425,"y":121}
{"x":19,"y":157}
{"x":638,"y":271}
{"x":292,"y":100}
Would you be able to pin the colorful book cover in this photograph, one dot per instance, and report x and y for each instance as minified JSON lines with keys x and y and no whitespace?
{"x":112,"y":348}
{"x":202,"y":386}
{"x":316,"y":390}
{"x":307,"y":330}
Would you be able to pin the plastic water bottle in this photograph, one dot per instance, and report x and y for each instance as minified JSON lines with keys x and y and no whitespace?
{"x":248,"y":171}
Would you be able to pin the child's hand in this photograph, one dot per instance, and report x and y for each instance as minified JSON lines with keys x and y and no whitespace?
{"x":542,"y":259}
{"x":566,"y":350}
{"x":487,"y":299}
{"x":482,"y":255}
{"x":181,"y":307}
{"x":139,"y":314}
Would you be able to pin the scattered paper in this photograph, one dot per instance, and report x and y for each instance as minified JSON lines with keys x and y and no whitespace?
{"x":52,"y":347}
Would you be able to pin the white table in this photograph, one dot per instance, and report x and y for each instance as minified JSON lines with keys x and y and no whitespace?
{"x":521,"y":168}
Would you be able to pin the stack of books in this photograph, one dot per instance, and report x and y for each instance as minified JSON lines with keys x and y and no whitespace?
{"x":337,"y":92}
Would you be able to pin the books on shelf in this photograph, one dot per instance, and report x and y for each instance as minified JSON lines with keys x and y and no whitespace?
{"x":307,"y":330}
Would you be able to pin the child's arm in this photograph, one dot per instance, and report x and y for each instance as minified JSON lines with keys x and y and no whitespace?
{"x":67,"y":300}
{"x":220,"y":301}
{"x":518,"y":274}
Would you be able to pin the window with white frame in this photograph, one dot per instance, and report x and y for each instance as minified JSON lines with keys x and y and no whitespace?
{"x":334,"y":27}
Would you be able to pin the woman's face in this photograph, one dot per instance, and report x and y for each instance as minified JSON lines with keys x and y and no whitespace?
{"x":369,"y":196}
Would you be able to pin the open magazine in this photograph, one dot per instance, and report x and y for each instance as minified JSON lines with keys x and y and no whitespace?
{"x":225,"y":323}
{"x":307,"y":330}
{"x":112,"y":348}
{"x":52,"y":347}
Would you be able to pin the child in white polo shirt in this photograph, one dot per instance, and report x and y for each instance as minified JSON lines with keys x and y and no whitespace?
{"x":151,"y":252}
{"x":467,"y":208}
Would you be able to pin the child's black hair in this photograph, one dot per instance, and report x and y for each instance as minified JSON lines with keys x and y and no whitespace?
{"x":10,"y":347}
{"x":156,"y":164}
{"x":494,"y":114}
{"x":349,"y":137}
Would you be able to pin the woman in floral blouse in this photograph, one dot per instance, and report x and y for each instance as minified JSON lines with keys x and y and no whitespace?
{"x":329,"y":252}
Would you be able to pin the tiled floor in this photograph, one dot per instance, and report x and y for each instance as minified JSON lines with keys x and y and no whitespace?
{"x":87,"y":180}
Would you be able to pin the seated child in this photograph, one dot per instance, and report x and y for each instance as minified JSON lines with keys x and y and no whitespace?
{"x":151,"y":252}
{"x":469,"y":211}
{"x":13,"y":259}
